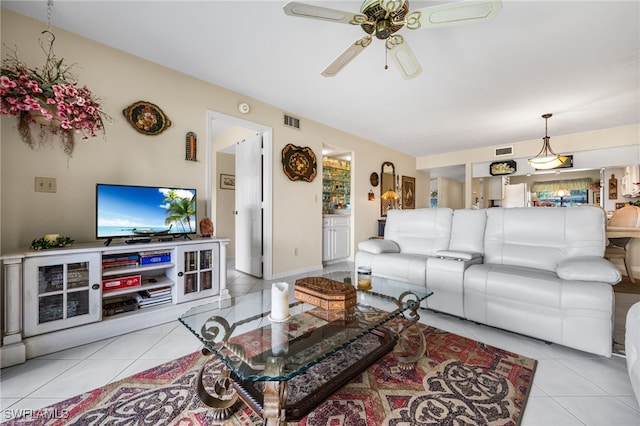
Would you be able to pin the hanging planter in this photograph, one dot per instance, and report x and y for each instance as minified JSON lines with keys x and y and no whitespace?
{"x":49,"y":98}
{"x":50,"y":118}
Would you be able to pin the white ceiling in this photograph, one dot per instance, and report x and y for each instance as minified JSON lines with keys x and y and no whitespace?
{"x":483,"y":84}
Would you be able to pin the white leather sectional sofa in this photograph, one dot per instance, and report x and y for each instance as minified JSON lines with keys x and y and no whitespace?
{"x":632,"y":347}
{"x":535,"y":271}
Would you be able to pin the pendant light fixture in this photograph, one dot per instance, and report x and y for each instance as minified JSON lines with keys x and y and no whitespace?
{"x":547,"y":159}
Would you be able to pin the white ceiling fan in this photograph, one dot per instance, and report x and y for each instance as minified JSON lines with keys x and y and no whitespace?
{"x":383,"y":18}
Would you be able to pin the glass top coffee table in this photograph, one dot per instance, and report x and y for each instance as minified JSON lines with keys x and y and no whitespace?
{"x":284,"y":369}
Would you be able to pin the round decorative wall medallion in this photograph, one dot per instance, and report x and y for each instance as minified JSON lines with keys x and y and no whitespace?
{"x":299,"y":163}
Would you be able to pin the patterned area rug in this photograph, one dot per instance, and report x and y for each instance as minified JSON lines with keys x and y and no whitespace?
{"x":459,"y":381}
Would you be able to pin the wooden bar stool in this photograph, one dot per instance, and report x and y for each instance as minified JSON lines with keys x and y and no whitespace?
{"x":618,"y":248}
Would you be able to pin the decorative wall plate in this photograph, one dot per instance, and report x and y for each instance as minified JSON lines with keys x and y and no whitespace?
{"x":374,"y":179}
{"x":299,"y":163}
{"x":498,"y":168}
{"x":146,"y":118}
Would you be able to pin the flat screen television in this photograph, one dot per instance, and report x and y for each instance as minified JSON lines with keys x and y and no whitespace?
{"x":141,"y":212}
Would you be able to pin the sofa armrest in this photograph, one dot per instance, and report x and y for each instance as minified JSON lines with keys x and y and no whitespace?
{"x":458,"y":255}
{"x":632,"y":347}
{"x":376,"y":246}
{"x":588,"y":268}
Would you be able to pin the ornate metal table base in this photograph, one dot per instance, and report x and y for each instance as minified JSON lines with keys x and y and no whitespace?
{"x":406,"y":356}
{"x":224,"y":395}
{"x":406,"y":353}
{"x":275,"y":394}
{"x":271,"y":399}
{"x":223,"y":398}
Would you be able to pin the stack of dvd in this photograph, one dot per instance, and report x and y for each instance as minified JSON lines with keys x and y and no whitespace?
{"x":153,"y":297}
{"x":118,"y":305}
{"x":153,"y":257}
{"x":120,"y":260}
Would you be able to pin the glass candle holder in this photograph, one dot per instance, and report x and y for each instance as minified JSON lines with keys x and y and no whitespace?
{"x":364,"y":278}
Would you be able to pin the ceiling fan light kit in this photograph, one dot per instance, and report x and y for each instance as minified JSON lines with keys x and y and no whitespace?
{"x":383,"y":18}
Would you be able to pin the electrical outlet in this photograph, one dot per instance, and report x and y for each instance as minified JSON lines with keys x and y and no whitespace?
{"x":45,"y":184}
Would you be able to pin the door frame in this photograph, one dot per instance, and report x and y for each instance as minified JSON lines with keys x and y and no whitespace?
{"x":214,"y":118}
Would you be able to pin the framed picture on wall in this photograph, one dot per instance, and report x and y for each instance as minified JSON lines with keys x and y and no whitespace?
{"x":227,"y":181}
{"x":408,"y":192}
{"x":613,"y":188}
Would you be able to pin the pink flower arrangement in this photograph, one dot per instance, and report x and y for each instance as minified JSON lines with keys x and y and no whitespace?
{"x":52,"y":94}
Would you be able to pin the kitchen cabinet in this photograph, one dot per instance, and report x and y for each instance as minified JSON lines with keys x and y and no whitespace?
{"x":336,"y":238}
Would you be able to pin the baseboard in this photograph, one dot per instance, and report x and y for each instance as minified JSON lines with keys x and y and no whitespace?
{"x":13,"y":354}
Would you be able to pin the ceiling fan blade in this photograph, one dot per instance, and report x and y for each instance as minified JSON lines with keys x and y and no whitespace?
{"x":302,"y":10}
{"x":347,"y":56}
{"x":403,"y":56}
{"x":453,"y":14}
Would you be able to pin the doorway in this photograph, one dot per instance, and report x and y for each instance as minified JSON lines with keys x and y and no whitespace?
{"x":218,"y":127}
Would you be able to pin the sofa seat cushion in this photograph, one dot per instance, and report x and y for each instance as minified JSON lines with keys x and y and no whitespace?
{"x":533,"y":286}
{"x":377,"y":246}
{"x":538,"y":303}
{"x":400,"y":266}
{"x":513,"y":283}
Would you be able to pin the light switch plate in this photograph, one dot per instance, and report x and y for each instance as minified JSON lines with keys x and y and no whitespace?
{"x":45,"y":184}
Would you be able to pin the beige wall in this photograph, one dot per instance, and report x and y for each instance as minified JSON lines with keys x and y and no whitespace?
{"x":450,"y":193}
{"x":128,"y":157}
{"x":592,"y":150}
{"x":577,"y":142}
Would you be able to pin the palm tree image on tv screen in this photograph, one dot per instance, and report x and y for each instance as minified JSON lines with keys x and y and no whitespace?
{"x":180,"y":209}
{"x":124,"y":211}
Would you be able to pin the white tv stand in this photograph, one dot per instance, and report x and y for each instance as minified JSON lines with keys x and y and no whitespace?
{"x":58,"y":298}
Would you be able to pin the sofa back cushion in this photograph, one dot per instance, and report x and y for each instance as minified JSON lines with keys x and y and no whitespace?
{"x":540,"y":237}
{"x":467,"y":231}
{"x":419,"y":231}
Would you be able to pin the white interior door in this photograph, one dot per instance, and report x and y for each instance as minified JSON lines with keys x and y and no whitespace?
{"x":248,"y":242}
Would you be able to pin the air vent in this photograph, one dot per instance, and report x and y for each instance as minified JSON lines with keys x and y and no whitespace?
{"x":503,"y":150}
{"x":291,"y":121}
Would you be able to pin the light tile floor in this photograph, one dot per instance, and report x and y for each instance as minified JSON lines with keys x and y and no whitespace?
{"x":569,"y":388}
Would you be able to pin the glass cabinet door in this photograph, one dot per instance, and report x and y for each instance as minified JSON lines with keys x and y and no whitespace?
{"x":197,"y":274}
{"x":61,"y":292}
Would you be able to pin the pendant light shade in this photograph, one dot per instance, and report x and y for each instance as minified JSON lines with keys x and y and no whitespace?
{"x":547,"y":159}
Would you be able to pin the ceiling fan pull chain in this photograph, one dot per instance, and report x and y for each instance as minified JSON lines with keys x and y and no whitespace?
{"x":386,"y":56}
